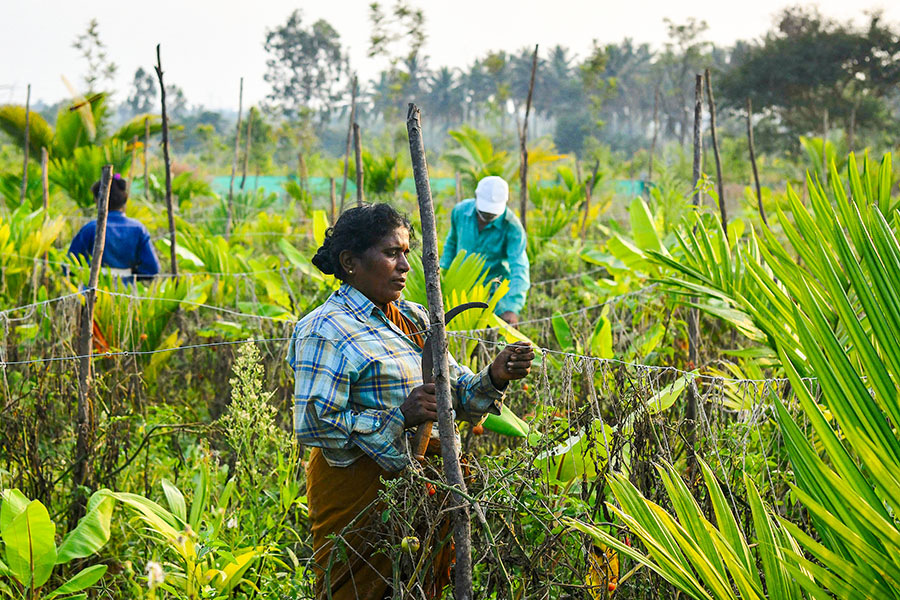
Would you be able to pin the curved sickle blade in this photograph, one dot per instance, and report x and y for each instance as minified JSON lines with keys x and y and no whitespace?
{"x":423,"y":433}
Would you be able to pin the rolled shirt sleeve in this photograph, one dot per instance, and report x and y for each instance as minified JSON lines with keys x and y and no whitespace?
{"x":322,"y":414}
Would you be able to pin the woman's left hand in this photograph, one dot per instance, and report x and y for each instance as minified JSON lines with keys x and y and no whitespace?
{"x":513,"y":362}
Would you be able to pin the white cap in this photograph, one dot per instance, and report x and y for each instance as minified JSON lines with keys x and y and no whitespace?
{"x":491,"y":195}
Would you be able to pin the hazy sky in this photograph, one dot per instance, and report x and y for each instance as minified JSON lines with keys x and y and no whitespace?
{"x":207,"y":45}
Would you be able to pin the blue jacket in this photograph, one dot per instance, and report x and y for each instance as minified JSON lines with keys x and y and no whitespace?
{"x":502,"y":244}
{"x":128,"y":245}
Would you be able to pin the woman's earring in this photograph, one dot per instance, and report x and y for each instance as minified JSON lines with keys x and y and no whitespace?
{"x":349,"y":271}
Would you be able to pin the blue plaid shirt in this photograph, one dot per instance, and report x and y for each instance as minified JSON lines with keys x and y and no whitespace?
{"x":353,"y":369}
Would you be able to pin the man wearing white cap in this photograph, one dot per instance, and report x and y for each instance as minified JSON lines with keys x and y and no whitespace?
{"x":485,"y":226}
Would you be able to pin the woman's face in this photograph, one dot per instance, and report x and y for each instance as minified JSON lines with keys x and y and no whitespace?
{"x":380,"y":272}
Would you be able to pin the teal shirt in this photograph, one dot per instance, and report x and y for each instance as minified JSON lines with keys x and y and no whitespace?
{"x":501,"y":244}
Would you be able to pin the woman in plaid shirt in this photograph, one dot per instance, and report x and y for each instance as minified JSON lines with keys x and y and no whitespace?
{"x":358,"y":388}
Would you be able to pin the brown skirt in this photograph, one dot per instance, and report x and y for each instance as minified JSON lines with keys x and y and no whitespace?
{"x":336,"y":496}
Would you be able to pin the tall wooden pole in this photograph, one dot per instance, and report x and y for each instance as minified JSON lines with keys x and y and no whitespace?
{"x":247,"y":147}
{"x":146,"y":158}
{"x":27,"y":141}
{"x":357,"y":150}
{"x":694,"y":313}
{"x":459,"y":192}
{"x":720,"y":185}
{"x":655,"y":133}
{"x":84,"y":430}
{"x":762,"y":210}
{"x":237,"y":146}
{"x":449,"y":445}
{"x":167,"y":165}
{"x":523,"y":147}
{"x":349,"y":141}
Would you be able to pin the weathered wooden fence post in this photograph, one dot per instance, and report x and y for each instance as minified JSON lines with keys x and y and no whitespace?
{"x":720,"y":185}
{"x":523,"y":147}
{"x":349,"y":141}
{"x":357,"y":149}
{"x":167,"y":165}
{"x":762,"y":210}
{"x":237,"y":148}
{"x":247,"y":148}
{"x":85,"y":422}
{"x":449,"y":448}
{"x":694,"y":313}
{"x":27,"y":141}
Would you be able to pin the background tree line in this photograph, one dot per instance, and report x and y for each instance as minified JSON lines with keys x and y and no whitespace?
{"x":809,"y":74}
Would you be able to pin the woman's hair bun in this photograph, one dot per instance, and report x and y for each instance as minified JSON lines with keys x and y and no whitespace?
{"x":355,"y":231}
{"x":323,"y":260}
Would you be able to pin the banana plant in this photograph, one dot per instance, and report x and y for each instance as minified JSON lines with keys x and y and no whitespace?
{"x":30,"y":553}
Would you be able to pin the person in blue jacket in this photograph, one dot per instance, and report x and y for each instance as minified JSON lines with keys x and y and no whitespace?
{"x":485,"y":226}
{"x":128,"y":251}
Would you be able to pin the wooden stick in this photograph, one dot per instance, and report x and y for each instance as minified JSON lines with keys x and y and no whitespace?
{"x":167,"y":165}
{"x":349,"y":141}
{"x":694,"y":313}
{"x":357,"y":149}
{"x":720,"y":185}
{"x":523,"y":147}
{"x":45,"y":194}
{"x":237,"y":146}
{"x":247,"y":148}
{"x":762,"y":210}
{"x":45,"y":183}
{"x":84,"y":430}
{"x":698,"y":139}
{"x":25,"y":149}
{"x":655,"y":132}
{"x":333,"y":200}
{"x":449,"y":448}
{"x":146,"y":163}
{"x":459,"y":192}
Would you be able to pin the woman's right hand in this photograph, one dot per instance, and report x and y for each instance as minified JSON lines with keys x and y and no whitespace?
{"x":420,"y":406}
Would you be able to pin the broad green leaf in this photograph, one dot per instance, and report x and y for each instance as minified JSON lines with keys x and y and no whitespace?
{"x":30,"y":546}
{"x":91,"y":533}
{"x":175,"y":499}
{"x":81,"y":581}
{"x":601,"y":339}
{"x":643,"y":228}
{"x":13,"y":504}
{"x":563,"y":333}
{"x":666,"y":397}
